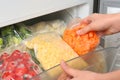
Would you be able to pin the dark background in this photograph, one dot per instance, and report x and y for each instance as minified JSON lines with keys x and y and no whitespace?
{"x":96,"y":6}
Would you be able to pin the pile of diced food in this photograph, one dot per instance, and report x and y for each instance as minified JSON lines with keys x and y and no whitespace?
{"x":13,"y":35}
{"x":30,"y":51}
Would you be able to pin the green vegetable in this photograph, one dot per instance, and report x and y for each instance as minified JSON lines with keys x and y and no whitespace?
{"x":6,"y":31}
{"x":17,"y":39}
{"x":22,"y":30}
{"x":13,"y":34}
{"x":1,"y":43}
{"x":10,"y":36}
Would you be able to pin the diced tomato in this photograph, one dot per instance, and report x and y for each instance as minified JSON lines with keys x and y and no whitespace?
{"x":18,"y":77}
{"x":21,"y":71}
{"x":32,"y":73}
{"x":17,"y":66}
{"x":28,"y":64}
{"x":15,"y":55}
{"x":7,"y":76}
{"x":26,"y":56}
{"x":11,"y":65}
{"x":1,"y":65}
{"x":4,"y":56}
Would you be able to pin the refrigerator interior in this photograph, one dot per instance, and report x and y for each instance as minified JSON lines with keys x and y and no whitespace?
{"x":81,"y":11}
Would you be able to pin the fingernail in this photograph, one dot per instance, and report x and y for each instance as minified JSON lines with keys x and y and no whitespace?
{"x":63,"y":64}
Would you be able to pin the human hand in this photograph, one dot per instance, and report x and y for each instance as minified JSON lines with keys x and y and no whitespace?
{"x":104,"y":24}
{"x":73,"y":74}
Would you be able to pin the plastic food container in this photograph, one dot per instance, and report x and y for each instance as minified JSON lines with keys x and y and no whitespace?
{"x":101,"y":61}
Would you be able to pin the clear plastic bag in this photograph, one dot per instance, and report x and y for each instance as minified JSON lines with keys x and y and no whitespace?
{"x":81,"y":44}
{"x":50,"y":49}
{"x":16,"y":63}
{"x":13,"y":35}
{"x":48,"y":26}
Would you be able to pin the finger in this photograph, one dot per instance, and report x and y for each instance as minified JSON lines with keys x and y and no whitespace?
{"x":84,"y":30}
{"x":68,"y":70}
{"x":68,"y":78}
{"x":86,"y":20}
{"x":63,"y":76}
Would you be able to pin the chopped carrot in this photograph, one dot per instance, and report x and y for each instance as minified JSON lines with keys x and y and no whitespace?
{"x":81,"y":44}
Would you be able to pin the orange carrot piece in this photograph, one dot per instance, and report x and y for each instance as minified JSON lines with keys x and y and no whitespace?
{"x":81,"y":44}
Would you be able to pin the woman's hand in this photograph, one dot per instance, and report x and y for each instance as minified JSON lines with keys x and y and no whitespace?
{"x":104,"y":24}
{"x":73,"y":74}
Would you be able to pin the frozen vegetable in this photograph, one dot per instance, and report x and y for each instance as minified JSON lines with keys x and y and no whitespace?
{"x":41,"y":27}
{"x":22,"y":30}
{"x":48,"y":26}
{"x":8,"y":30}
{"x":50,"y":49}
{"x":58,"y":26}
{"x":13,"y":35}
{"x":81,"y":44}
{"x":1,"y":43}
{"x":17,"y":66}
{"x":9,"y":36}
{"x":16,"y":38}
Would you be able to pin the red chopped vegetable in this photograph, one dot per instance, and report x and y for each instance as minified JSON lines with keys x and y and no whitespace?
{"x":17,"y":66}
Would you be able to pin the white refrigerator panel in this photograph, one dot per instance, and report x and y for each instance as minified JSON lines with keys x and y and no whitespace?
{"x":13,"y":11}
{"x":111,"y":10}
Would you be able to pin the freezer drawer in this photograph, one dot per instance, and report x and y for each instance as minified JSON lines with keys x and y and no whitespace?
{"x":100,"y":61}
{"x":109,"y":54}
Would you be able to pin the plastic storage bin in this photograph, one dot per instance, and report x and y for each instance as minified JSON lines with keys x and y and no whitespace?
{"x":101,"y":61}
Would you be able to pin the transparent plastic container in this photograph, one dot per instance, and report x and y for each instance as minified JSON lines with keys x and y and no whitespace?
{"x":101,"y":61}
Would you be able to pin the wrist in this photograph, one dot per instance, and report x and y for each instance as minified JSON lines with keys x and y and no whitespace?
{"x":115,"y":22}
{"x":112,"y":75}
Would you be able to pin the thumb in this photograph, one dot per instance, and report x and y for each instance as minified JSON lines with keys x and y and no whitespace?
{"x":68,"y":70}
{"x":84,"y":30}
